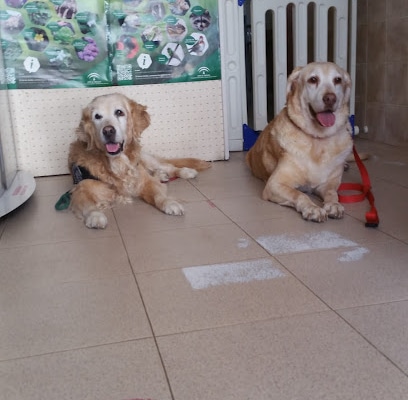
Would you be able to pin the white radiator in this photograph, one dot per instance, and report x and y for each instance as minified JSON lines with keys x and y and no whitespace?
{"x":320,"y":30}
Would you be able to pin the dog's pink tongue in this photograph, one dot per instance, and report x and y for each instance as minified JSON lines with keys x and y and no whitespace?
{"x":112,"y":147}
{"x":326,"y":118}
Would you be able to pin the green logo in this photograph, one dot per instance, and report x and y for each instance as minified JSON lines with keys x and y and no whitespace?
{"x":197,"y":10}
{"x":162,"y":59}
{"x":170,"y":20}
{"x":149,"y":45}
{"x":190,"y":41}
{"x":79,"y":44}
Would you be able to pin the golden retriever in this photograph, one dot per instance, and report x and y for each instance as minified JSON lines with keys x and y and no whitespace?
{"x":108,"y":154}
{"x":304,"y":148}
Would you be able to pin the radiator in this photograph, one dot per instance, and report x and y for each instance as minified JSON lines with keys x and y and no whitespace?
{"x":294,"y":33}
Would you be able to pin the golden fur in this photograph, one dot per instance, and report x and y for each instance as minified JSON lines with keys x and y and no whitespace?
{"x":304,"y":148}
{"x":108,"y":146}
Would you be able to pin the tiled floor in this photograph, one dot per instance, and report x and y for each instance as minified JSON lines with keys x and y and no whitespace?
{"x":239,"y":299}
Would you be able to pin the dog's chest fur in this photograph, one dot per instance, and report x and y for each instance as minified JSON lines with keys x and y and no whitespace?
{"x":317,"y":159}
{"x":126,"y":176}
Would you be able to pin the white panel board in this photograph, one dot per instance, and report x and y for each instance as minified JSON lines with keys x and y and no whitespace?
{"x":186,"y":121}
{"x":233,"y":72}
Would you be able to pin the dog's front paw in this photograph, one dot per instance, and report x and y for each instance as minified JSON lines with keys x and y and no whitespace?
{"x":314,"y":213}
{"x":96,"y":220}
{"x":187,"y":173}
{"x":173,"y":207}
{"x":334,"y":210}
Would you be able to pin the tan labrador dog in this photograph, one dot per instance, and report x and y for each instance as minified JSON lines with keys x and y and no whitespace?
{"x":109,"y":166}
{"x":304,"y":148}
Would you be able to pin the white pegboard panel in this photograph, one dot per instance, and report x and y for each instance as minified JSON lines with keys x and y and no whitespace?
{"x":8,"y":159}
{"x":186,"y":121}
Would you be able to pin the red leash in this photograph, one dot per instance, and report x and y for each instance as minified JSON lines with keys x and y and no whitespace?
{"x":364,"y":188}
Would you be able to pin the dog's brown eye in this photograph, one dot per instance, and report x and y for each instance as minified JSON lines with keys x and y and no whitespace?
{"x":119,"y":113}
{"x":313,"y":80}
{"x":337,"y":80}
{"x":98,"y":116}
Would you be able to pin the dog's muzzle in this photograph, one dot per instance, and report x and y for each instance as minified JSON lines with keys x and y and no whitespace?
{"x":111,"y":145}
{"x":325,"y":118}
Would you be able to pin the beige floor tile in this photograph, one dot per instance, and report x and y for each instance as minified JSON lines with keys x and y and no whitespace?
{"x":139,"y":218}
{"x":376,"y":149}
{"x":119,"y":371}
{"x":391,"y":204}
{"x":232,"y":325}
{"x":223,"y":294}
{"x":293,"y":234}
{"x":392,"y":171}
{"x":385,"y":326}
{"x":306,"y":357}
{"x":192,"y":246}
{"x":354,"y":276}
{"x":63,"y":262}
{"x":385,"y":162}
{"x":234,"y":167}
{"x":220,"y":187}
{"x":247,"y":208}
{"x":67,"y":295}
{"x":37,"y":222}
{"x":53,"y":185}
{"x":184,"y":190}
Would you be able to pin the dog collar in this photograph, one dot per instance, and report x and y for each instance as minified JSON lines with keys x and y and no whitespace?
{"x":80,"y":173}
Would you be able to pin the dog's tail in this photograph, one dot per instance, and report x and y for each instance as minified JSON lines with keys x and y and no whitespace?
{"x":194,"y":163}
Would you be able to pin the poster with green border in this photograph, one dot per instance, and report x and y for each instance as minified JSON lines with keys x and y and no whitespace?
{"x":164,"y":41}
{"x":54,"y":44}
{"x":76,"y":44}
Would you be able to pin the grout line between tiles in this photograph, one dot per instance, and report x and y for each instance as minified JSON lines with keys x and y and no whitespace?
{"x":351,"y":326}
{"x":277,"y":318}
{"x":146,"y":313}
{"x":372,"y":304}
{"x":327,"y":305}
{"x":373,"y":345}
{"x":94,"y":346}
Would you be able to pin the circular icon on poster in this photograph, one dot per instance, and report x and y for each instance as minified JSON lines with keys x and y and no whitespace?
{"x":144,"y":61}
{"x":174,"y":53}
{"x":197,"y":44}
{"x":31,"y":64}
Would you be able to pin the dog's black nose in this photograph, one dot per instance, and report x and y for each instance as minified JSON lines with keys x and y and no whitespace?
{"x":329,"y":99}
{"x":109,"y":132}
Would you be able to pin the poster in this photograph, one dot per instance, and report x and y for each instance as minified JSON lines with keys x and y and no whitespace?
{"x":72,"y":43}
{"x":56,"y":43}
{"x":162,"y":41}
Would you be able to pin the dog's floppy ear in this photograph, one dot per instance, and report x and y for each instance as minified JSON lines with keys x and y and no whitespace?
{"x":85,"y":130}
{"x":347,"y":86}
{"x":292,"y":80}
{"x":139,"y":118}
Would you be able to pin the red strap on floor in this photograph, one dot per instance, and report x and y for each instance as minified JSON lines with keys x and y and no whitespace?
{"x":364,"y":188}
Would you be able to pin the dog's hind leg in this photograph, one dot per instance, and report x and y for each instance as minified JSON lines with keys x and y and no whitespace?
{"x":168,"y":171}
{"x":165,"y":169}
{"x":88,"y":200}
{"x":185,"y":168}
